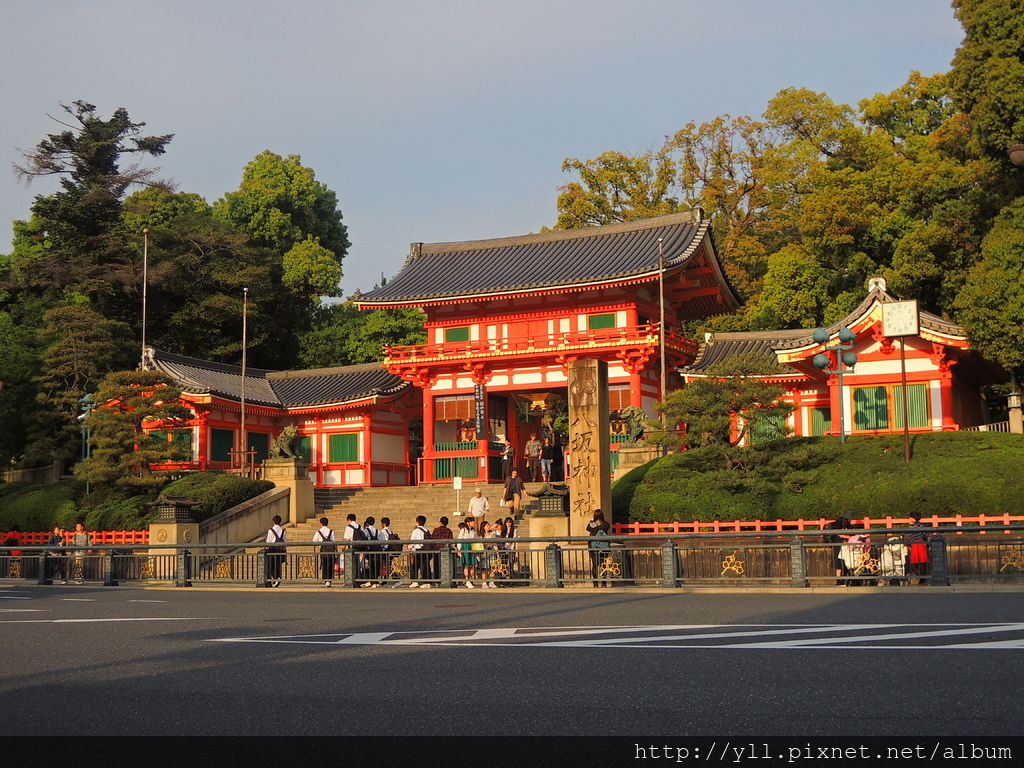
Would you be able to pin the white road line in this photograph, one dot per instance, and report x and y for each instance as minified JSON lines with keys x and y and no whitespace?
{"x":22,"y":610}
{"x":716,"y":635}
{"x":147,"y":601}
{"x":892,"y":636}
{"x":79,"y":599}
{"x":12,"y":597}
{"x":97,"y":621}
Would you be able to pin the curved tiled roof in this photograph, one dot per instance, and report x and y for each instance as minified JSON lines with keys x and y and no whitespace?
{"x":578,"y":257}
{"x":721,"y":346}
{"x":282,"y":389}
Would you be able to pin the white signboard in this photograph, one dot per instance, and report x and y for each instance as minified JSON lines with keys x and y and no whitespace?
{"x":457,"y":483}
{"x":900,"y":318}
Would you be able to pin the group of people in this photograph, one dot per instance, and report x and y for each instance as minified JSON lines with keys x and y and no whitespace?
{"x":63,"y":566}
{"x":537,"y":455}
{"x":374,"y":558}
{"x":901,"y":558}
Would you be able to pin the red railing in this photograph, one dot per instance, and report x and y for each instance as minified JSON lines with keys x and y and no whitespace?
{"x":34,"y":538}
{"x":568,"y":340}
{"x":777,"y":526}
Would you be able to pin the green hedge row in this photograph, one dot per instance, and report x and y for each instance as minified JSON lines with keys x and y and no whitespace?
{"x":966,"y":473}
{"x":40,"y":507}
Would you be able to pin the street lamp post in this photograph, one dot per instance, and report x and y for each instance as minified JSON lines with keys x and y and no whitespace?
{"x":845,"y":359}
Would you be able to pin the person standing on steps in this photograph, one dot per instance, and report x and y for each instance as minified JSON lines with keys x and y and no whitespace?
{"x":531,"y":452}
{"x":514,"y":492}
{"x":328,"y":551}
{"x":479,"y":507}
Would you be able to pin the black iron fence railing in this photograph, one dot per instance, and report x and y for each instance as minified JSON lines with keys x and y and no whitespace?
{"x":891,"y":557}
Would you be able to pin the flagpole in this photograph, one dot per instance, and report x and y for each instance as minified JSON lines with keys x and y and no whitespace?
{"x":145,"y":284}
{"x":244,"y":447}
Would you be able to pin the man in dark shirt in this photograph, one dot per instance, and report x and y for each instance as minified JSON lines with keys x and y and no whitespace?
{"x":514,"y":491}
{"x":441,"y":549}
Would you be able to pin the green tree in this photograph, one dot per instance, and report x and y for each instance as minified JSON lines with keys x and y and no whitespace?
{"x":19,"y":362}
{"x":72,"y":240}
{"x":122,"y":449}
{"x":342,"y":335}
{"x":991,"y":304}
{"x":735,"y":396}
{"x":988,"y":73}
{"x":78,"y":347}
{"x":280,"y":205}
{"x":615,"y":187}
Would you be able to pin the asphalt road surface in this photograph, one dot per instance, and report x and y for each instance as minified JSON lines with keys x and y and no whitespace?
{"x":126,"y":660}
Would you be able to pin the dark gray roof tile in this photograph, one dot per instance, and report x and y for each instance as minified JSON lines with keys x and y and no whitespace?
{"x":284,"y":389}
{"x":565,"y":258}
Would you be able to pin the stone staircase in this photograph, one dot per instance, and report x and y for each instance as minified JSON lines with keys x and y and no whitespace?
{"x":402,"y":504}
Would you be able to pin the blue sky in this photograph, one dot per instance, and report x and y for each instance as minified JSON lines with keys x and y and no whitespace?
{"x":442,"y":120}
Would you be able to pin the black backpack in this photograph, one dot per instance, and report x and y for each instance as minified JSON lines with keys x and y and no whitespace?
{"x":327,"y":548}
{"x":358,"y":534}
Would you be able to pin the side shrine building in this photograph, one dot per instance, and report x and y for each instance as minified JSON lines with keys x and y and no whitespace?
{"x":506,"y":317}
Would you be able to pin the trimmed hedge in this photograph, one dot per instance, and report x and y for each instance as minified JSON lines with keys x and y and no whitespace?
{"x":40,"y":507}
{"x":966,"y":473}
{"x":215,"y":492}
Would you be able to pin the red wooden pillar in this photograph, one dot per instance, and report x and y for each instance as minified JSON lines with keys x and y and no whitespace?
{"x":367,"y":438}
{"x":203,"y":448}
{"x":946,"y":398}
{"x":428,"y":436}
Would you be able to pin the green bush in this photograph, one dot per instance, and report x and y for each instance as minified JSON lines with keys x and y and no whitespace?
{"x":215,"y":492}
{"x":38,"y":507}
{"x":968,"y":473}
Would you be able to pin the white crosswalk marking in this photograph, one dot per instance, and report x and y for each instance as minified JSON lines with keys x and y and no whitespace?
{"x":688,"y":636}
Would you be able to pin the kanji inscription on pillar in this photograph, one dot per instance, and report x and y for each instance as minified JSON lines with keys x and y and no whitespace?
{"x":589,"y":467}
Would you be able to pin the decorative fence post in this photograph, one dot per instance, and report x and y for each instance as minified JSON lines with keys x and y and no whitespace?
{"x":181,"y":578}
{"x":261,"y":568}
{"x":44,"y":569}
{"x":108,"y":569}
{"x":669,"y":565}
{"x":348,"y":564}
{"x":940,"y":565}
{"x":553,"y":566}
{"x":797,"y":563}
{"x":447,"y":574}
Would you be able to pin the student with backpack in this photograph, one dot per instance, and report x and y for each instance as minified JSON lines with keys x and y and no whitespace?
{"x":371,"y":560}
{"x":354,"y":533}
{"x":420,"y":556}
{"x":385,"y":535}
{"x":275,"y":536}
{"x":328,"y":551}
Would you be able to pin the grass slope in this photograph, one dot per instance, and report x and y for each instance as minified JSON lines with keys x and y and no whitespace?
{"x":969,"y":473}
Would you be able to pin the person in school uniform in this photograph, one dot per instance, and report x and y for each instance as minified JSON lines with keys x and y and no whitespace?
{"x":371,"y":560}
{"x":275,"y":535}
{"x":328,"y":551}
{"x":420,"y":557}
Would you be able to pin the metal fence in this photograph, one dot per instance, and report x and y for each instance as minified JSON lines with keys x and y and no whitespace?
{"x":893,"y":557}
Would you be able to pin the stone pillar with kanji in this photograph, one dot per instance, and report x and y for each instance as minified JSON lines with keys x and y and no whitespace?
{"x":590,"y":485}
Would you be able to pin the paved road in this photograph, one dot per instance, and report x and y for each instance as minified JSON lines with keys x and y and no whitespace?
{"x":129,"y":660}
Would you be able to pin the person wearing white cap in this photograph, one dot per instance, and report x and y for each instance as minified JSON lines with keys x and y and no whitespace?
{"x":479,"y":507}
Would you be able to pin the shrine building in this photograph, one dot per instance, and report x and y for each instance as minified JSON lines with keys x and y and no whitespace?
{"x":352,"y":420}
{"x":944,"y":376}
{"x":505,"y":318}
